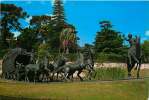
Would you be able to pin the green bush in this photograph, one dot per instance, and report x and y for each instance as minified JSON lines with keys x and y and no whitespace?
{"x":110,"y":57}
{"x":42,"y":50}
{"x":3,"y":52}
{"x":54,"y":56}
{"x":114,"y":73}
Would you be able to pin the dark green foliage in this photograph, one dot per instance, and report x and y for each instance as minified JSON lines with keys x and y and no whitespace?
{"x":110,"y":57}
{"x":42,"y":27}
{"x":58,"y":22}
{"x":37,"y":21}
{"x":110,"y":73}
{"x":10,"y":15}
{"x":2,"y":52}
{"x":145,"y":51}
{"x":28,"y":39}
{"x":109,"y":41}
{"x":40,"y":30}
{"x":58,"y":14}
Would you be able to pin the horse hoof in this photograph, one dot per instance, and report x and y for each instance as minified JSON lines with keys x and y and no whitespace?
{"x":129,"y":77}
{"x":138,"y":76}
{"x":135,"y":68}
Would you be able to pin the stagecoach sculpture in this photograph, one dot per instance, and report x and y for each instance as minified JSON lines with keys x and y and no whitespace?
{"x":19,"y":64}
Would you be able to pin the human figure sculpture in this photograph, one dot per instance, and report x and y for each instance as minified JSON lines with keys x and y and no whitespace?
{"x":134,"y":54}
{"x":132,"y":49}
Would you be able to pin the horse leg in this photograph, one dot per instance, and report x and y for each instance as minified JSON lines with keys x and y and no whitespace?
{"x":66,"y":76}
{"x":43,"y":77}
{"x":90,"y":74}
{"x":138,"y":71}
{"x":129,"y":68}
{"x":129,"y":58}
{"x":72,"y":77}
{"x":57,"y":75}
{"x":51,"y":76}
{"x":78,"y":74}
{"x":137,"y":66}
{"x":47,"y":76}
{"x":34,"y":79}
{"x":26,"y":77}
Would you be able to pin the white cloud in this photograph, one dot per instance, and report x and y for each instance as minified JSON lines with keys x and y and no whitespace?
{"x":28,"y":19}
{"x":48,"y":14}
{"x":52,"y":2}
{"x":16,"y":33}
{"x":26,"y":26}
{"x":147,"y":33}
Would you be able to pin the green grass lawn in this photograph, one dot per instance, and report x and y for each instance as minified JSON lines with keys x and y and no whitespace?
{"x":102,"y":90}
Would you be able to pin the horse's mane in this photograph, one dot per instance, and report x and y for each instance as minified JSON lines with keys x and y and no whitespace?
{"x":80,"y":58}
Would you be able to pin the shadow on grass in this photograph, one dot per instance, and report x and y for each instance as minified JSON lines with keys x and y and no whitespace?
{"x":19,"y":98}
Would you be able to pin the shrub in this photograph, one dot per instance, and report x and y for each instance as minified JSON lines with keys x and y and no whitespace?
{"x":42,"y":50}
{"x":114,"y":73}
{"x":109,"y":57}
{"x":3,"y":52}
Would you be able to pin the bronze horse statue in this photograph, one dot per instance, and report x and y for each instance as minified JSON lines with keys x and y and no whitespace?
{"x":56,"y":66}
{"x":84,"y":61}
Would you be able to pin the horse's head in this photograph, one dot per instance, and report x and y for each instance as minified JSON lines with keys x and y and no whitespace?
{"x":19,"y":65}
{"x":50,"y":67}
{"x":60,"y":61}
{"x":89,"y":67}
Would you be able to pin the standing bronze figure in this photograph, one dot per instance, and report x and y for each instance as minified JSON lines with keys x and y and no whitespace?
{"x":134,"y":54}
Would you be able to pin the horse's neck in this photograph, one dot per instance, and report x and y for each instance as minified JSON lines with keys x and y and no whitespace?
{"x":57,"y":63}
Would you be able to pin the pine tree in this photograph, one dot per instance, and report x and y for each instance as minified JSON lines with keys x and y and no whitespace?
{"x":108,"y":40}
{"x":58,"y":14}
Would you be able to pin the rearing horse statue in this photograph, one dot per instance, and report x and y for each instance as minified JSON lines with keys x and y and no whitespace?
{"x":84,"y":61}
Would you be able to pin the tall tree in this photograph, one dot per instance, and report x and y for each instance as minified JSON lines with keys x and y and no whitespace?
{"x":28,"y":39}
{"x":38,"y":32}
{"x":58,"y":22}
{"x":108,"y":40}
{"x":42,"y":26}
{"x":10,"y":15}
{"x":58,"y":14}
